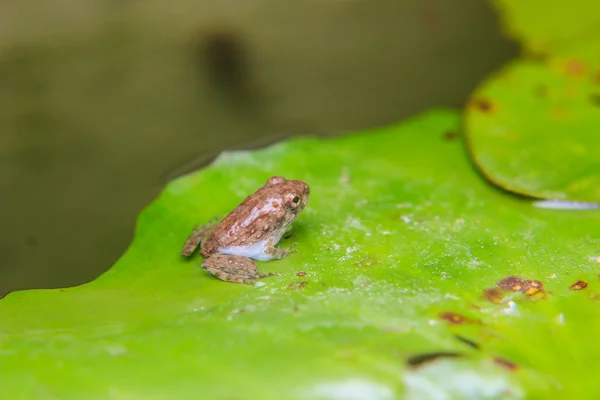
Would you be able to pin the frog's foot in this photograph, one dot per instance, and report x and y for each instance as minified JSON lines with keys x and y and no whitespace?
{"x":199,"y":234}
{"x":276,"y":253}
{"x":232,"y":268}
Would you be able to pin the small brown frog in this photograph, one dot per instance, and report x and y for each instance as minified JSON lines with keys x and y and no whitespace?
{"x":251,"y":231}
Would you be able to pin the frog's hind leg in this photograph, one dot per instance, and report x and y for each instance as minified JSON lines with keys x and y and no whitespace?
{"x":199,"y":234}
{"x":231,"y":268}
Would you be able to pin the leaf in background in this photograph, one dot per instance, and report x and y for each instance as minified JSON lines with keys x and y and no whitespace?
{"x":386,"y":296}
{"x":533,"y":127}
{"x":550,"y":26}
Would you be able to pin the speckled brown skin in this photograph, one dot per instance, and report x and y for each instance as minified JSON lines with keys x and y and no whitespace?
{"x":262,"y":217}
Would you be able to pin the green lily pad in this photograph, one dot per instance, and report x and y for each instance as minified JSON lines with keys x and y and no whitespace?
{"x":550,"y":26}
{"x":391,"y":292}
{"x":532,"y":128}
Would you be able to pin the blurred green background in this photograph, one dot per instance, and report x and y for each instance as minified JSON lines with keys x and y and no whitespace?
{"x":102,"y":102}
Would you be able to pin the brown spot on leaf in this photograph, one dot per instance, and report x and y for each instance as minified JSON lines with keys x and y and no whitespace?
{"x":511,"y":284}
{"x":575,"y":68}
{"x":482,"y":105}
{"x":424,"y":358}
{"x":532,"y":287}
{"x":454,"y":318}
{"x":301,"y":273}
{"x":579,"y":285}
{"x":505,"y":364}
{"x":297,"y":285}
{"x":494,"y":295}
{"x":450,"y":136}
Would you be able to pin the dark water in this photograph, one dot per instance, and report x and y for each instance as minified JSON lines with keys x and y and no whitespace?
{"x":100,"y":103}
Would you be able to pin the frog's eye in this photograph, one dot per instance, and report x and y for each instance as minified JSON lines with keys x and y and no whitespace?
{"x":294,"y":200}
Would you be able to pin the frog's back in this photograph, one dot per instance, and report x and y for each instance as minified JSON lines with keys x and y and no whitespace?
{"x":256,"y":219}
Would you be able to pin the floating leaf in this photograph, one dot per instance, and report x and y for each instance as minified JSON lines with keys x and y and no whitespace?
{"x":532,"y":128}
{"x":398,"y":246}
{"x":550,"y":26}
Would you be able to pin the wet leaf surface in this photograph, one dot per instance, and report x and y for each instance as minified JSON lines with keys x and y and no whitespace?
{"x":401,"y":241}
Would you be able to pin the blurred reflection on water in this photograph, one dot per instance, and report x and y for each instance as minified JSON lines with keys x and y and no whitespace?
{"x":101,"y":101}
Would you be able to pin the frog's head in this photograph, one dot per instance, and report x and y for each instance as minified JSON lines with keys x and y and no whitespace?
{"x":297,"y":196}
{"x":294,"y":194}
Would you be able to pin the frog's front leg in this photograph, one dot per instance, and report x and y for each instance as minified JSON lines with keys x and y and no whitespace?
{"x":289,"y":231}
{"x":199,"y":234}
{"x":276,"y":253}
{"x":233,"y":268}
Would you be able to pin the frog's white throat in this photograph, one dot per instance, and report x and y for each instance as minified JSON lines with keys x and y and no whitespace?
{"x":255,"y":251}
